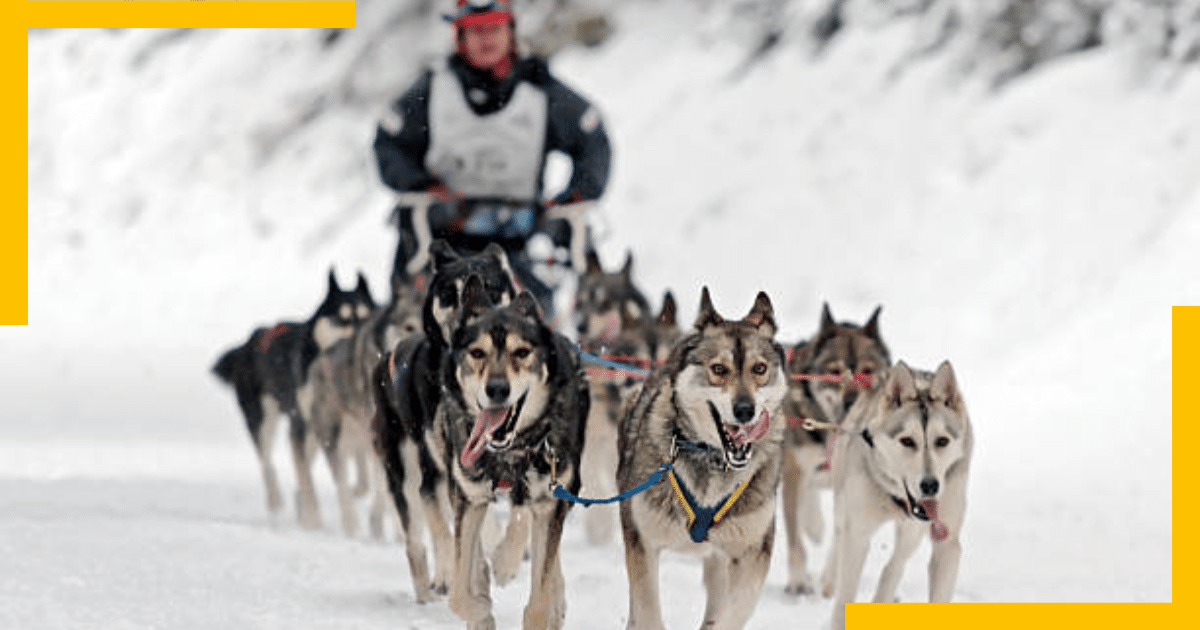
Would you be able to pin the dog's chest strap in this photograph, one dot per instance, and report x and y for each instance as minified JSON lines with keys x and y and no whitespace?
{"x":701,"y":518}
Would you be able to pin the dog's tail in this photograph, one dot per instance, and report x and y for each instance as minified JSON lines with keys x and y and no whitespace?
{"x":231,"y":363}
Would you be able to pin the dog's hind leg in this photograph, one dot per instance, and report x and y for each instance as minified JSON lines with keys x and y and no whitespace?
{"x":547,"y":606}
{"x":262,"y":419}
{"x":405,"y":481}
{"x":511,"y":550}
{"x":641,"y":563}
{"x":304,"y":445}
{"x":470,"y":596}
{"x":908,"y":536}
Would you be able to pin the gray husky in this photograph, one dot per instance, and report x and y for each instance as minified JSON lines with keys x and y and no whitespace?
{"x":903,"y":456}
{"x":713,"y":412}
{"x":827,"y":374}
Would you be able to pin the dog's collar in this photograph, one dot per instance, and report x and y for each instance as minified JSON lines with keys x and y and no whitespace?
{"x":701,"y":518}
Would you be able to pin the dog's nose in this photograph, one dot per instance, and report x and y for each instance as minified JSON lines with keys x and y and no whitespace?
{"x":929,"y":486}
{"x":848,"y":401}
{"x":497,"y":389}
{"x":743,"y":410}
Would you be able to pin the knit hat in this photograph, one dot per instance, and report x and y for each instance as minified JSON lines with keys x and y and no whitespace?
{"x":469,"y":13}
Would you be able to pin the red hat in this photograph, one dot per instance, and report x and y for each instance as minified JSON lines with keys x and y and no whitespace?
{"x":468,"y":13}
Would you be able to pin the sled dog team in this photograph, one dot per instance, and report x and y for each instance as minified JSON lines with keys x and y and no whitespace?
{"x":457,"y":392}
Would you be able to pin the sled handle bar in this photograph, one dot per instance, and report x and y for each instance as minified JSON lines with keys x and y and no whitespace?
{"x":573,"y":213}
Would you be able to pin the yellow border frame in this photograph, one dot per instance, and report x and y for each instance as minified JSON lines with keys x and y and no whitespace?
{"x":284,"y":14}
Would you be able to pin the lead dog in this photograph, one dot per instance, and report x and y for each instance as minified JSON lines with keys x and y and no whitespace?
{"x":512,"y":417}
{"x":713,"y":412}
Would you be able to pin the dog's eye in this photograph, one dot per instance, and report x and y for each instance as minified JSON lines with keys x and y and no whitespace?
{"x":520,"y":353}
{"x":759,"y":369}
{"x":908,"y":442}
{"x":719,"y":370}
{"x":476,"y":353}
{"x":942,"y":442}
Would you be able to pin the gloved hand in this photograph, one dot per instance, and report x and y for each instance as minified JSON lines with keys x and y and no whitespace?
{"x":452,"y":200}
{"x":442,"y":192}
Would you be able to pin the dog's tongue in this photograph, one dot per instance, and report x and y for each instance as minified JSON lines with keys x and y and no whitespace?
{"x":937,"y":529}
{"x":746,"y":433}
{"x":486,"y":422}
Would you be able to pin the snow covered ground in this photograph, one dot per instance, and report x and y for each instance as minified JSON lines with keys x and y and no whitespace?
{"x":185,"y":188}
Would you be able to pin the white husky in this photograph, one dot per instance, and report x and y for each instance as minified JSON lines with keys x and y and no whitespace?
{"x":903,"y":456}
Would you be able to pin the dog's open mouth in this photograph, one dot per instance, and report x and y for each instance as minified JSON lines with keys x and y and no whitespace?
{"x":494,"y":430}
{"x":738,"y":439}
{"x":927,"y":510}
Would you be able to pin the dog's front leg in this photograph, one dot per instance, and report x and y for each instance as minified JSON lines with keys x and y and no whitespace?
{"x":469,"y":596}
{"x":795,"y":492}
{"x":546,"y":609}
{"x":746,"y":573}
{"x":641,"y":563}
{"x":908,"y":536}
{"x":304,"y":446}
{"x":511,"y":550}
{"x":599,"y":467}
{"x":716,"y":586}
{"x":943,"y":569}
{"x":943,"y":562}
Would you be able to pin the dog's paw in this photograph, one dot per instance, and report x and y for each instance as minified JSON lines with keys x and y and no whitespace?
{"x":799,"y":587}
{"x":505,"y":572}
{"x":826,"y":588}
{"x":488,"y":623}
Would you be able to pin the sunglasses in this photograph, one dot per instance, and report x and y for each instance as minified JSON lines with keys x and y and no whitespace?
{"x":478,"y":6}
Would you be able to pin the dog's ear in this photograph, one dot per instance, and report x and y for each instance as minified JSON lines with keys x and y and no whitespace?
{"x":526,"y":305}
{"x":593,"y":263}
{"x":442,"y":254}
{"x":666,"y":316}
{"x":762,"y":316}
{"x":364,"y":290}
{"x":496,"y":251}
{"x":900,"y":386}
{"x":333,"y":283}
{"x":872,"y":325}
{"x":627,"y":268}
{"x":707,"y":316}
{"x":827,"y":323}
{"x":475,"y":300}
{"x":944,"y":388}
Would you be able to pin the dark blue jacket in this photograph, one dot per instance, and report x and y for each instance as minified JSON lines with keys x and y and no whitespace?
{"x":573,"y":127}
